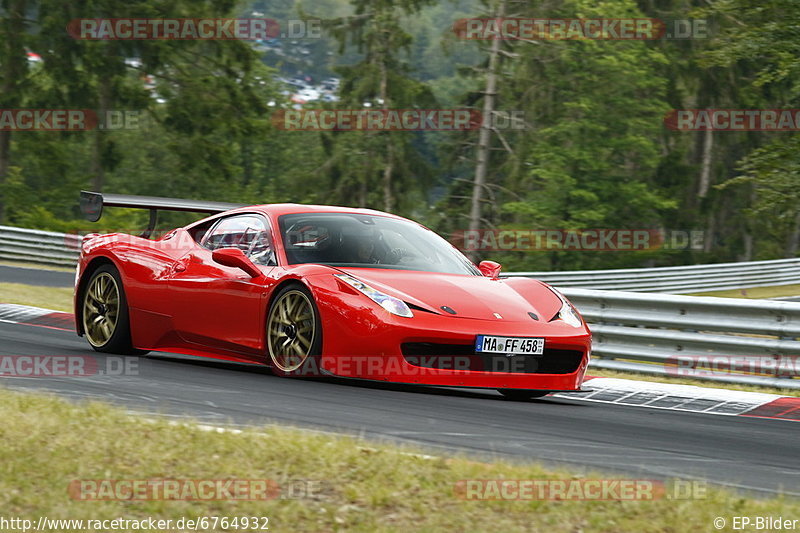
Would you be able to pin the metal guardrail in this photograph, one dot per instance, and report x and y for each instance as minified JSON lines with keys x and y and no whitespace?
{"x":35,"y":246}
{"x":679,"y":279}
{"x":689,"y":335}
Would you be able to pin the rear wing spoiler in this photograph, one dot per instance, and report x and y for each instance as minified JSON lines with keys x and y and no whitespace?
{"x":92,"y":204}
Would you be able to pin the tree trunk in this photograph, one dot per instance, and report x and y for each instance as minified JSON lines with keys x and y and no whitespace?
{"x":5,"y":154}
{"x":362,"y":192}
{"x":96,"y":163}
{"x":388,"y":169}
{"x":484,"y":134}
{"x":97,"y":168}
{"x":247,"y":161}
{"x":747,"y":239}
{"x":794,"y":239}
{"x":388,"y":195}
{"x":13,"y":60}
{"x":711,"y":228}
{"x":705,"y":172}
{"x":365,"y":179}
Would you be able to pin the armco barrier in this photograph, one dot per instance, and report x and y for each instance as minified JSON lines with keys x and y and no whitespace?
{"x":679,"y":279}
{"x":35,"y":246}
{"x":670,"y":334}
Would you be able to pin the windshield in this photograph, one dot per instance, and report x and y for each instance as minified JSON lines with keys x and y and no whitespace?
{"x":354,"y":240}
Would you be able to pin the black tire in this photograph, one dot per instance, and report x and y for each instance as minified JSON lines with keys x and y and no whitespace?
{"x":291,"y":335}
{"x":119,"y":340}
{"x":522,"y":394}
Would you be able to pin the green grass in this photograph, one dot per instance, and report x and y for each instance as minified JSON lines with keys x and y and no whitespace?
{"x":56,"y":298}
{"x":47,"y":443}
{"x":37,"y":265}
{"x":774,"y":291}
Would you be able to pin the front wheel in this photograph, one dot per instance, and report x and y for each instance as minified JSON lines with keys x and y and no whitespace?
{"x":294,"y":333}
{"x":523,"y":394}
{"x":104,"y":311}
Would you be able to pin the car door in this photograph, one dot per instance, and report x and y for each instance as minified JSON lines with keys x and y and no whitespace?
{"x":222,"y":307}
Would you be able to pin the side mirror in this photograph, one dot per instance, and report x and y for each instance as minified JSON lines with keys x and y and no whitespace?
{"x":490,"y":269}
{"x":234,"y":257}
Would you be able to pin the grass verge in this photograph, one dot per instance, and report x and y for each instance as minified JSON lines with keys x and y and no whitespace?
{"x":38,"y":266}
{"x":774,"y":291}
{"x":48,"y":443}
{"x":55,"y":298}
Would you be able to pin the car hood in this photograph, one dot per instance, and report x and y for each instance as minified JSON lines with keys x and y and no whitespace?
{"x":474,"y":297}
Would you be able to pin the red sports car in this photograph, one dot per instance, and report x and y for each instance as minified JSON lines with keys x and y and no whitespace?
{"x":324,"y":291}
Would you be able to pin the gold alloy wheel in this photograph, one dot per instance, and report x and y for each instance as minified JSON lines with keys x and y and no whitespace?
{"x":101,"y":309}
{"x":291,"y":330}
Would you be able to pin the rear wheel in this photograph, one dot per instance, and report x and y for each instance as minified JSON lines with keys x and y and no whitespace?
{"x":522,"y":394}
{"x":104,"y":311}
{"x":294,"y":333}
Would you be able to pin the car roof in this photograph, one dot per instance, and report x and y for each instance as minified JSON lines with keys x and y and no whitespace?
{"x":290,"y":209}
{"x":276,"y":210}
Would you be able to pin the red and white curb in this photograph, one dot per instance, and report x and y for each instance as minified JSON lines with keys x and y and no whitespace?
{"x":653,"y":395}
{"x":36,"y":316}
{"x":688,"y":398}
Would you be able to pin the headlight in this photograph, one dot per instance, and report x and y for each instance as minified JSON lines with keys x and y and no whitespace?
{"x":569,"y":315}
{"x":394,"y":305}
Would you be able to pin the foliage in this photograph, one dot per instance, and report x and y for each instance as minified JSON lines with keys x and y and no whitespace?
{"x":593,"y":152}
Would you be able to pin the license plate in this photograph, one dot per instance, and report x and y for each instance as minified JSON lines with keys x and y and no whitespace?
{"x":513,"y":345}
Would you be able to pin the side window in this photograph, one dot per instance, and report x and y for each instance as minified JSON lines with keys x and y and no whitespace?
{"x":249,"y":233}
{"x":199,"y":231}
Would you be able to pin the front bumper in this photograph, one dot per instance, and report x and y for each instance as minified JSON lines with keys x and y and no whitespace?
{"x":367,"y":343}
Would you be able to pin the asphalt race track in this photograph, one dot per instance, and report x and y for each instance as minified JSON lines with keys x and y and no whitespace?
{"x":743,"y":452}
{"x":36,"y":276}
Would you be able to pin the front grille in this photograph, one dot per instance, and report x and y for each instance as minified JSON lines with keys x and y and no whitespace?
{"x":463,"y":357}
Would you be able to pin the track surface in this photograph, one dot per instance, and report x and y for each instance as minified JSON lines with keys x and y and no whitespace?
{"x":742,"y":452}
{"x":36,"y":276}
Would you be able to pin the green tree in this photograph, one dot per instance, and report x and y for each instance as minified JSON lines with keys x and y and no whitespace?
{"x":589,"y":153}
{"x":376,"y":160}
{"x":14,"y":38}
{"x":764,"y":38}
